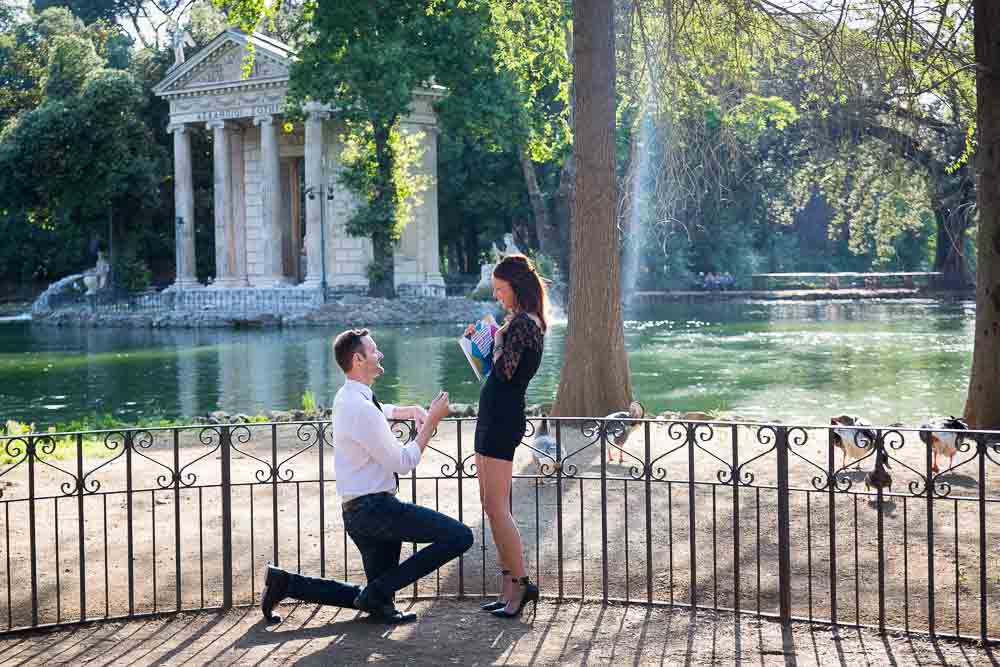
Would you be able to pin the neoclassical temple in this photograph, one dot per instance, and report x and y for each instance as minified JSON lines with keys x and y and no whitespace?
{"x":280,"y":210}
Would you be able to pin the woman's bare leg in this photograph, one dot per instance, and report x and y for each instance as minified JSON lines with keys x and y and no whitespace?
{"x":495,"y":477}
{"x":505,"y":586}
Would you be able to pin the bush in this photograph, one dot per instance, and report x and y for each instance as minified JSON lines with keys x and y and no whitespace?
{"x":131,"y":272}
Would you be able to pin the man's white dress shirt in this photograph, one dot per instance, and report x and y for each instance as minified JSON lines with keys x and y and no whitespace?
{"x":366,"y":452}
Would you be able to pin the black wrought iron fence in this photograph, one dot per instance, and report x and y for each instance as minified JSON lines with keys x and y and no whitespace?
{"x":757,"y":518}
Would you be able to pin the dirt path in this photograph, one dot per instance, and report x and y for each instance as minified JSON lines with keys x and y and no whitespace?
{"x":453,"y":632}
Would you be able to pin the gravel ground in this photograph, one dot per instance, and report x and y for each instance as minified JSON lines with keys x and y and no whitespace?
{"x":453,"y":632}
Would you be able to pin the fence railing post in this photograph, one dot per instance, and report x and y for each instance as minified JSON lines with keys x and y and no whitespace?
{"x":784,"y":531}
{"x":226,"y":490}
{"x":460,"y":474}
{"x":981,"y":456}
{"x":603,"y":430}
{"x":692,"y":516}
{"x":32,"y":545}
{"x":128,"y":443}
{"x":320,"y":435}
{"x":81,"y":527}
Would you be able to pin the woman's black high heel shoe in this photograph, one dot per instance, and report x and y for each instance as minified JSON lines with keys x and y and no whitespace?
{"x":499,"y":603}
{"x":529,"y":593}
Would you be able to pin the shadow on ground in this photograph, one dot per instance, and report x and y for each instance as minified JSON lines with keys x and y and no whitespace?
{"x":456,"y":632}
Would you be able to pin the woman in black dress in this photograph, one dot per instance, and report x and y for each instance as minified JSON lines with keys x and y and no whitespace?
{"x":501,"y":423}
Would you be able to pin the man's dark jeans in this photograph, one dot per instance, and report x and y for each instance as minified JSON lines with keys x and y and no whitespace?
{"x":323,"y":591}
{"x":379,"y":523}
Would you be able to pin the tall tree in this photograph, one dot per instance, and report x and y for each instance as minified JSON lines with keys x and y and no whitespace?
{"x":92,"y":10}
{"x":982,"y":407}
{"x":595,"y":377}
{"x":366,"y":60}
{"x":529,"y":47}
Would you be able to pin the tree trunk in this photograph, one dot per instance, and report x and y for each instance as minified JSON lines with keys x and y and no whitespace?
{"x":548,"y":243}
{"x":454,"y":254}
{"x":382,"y":272}
{"x":949,"y":257}
{"x":951,"y":196}
{"x":563,"y":212}
{"x":595,"y":377}
{"x":982,"y":407}
{"x":470,"y":246}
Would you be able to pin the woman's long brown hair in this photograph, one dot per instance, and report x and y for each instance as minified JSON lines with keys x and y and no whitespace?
{"x":529,"y":289}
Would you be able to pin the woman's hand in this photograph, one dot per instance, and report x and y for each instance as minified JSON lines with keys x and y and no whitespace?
{"x":469,"y":330}
{"x":498,"y":342}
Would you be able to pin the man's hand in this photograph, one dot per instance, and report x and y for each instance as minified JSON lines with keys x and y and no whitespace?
{"x":414,"y":412}
{"x":439,"y":410}
{"x":439,"y":407}
{"x":418,"y":415}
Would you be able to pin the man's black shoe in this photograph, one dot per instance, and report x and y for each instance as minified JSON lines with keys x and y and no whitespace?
{"x":381,"y":611}
{"x":275,"y":589}
{"x":367,"y":603}
{"x":391,"y":616}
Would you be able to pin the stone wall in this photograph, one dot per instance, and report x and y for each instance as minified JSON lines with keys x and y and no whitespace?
{"x":266,"y":308}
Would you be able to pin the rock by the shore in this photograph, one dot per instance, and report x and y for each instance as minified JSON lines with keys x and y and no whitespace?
{"x":406,"y":310}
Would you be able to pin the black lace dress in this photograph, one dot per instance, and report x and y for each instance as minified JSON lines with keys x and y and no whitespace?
{"x":501,"y":423}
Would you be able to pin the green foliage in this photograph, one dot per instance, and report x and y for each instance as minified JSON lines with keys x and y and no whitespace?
{"x":878,"y":200}
{"x":545,"y":266}
{"x":21,"y":70}
{"x":368,"y":59}
{"x":755,"y":115}
{"x":78,"y":150}
{"x":529,"y":51}
{"x":32,"y":253}
{"x":71,"y":60}
{"x":63,"y":447}
{"x":308,"y":402}
{"x":56,"y":21}
{"x":361,"y":176}
{"x":91,"y":10}
{"x":131,"y":271}
{"x":66,"y":160}
{"x":752,"y":134}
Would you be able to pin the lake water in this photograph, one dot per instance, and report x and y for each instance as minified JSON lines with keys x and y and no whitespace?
{"x":793,"y":361}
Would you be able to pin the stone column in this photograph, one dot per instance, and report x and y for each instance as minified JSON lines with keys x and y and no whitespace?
{"x":425,"y":210}
{"x":225,"y":269}
{"x":238,"y":206}
{"x":184,"y":208}
{"x":429,"y":250}
{"x":270,"y":183}
{"x":316,"y":195}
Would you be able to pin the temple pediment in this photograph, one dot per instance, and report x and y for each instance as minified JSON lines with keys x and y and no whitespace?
{"x":218,"y":67}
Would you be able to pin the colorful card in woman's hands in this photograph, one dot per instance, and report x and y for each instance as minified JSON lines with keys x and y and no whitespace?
{"x":478,"y":346}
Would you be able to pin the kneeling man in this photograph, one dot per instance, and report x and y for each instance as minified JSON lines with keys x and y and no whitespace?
{"x":367,"y":462}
